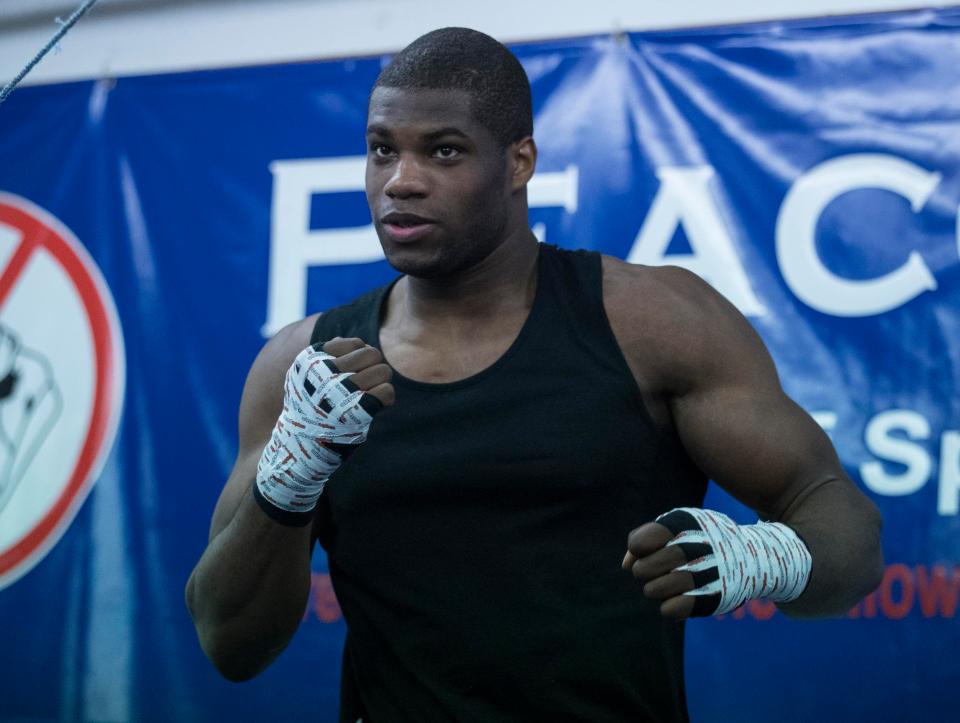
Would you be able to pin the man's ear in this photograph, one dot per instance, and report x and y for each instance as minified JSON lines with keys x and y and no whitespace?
{"x":523,"y":162}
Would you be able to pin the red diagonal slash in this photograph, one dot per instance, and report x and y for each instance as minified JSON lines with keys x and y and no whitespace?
{"x":15,"y":266}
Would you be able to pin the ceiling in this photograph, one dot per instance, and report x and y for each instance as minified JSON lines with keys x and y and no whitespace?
{"x":19,"y":13}
{"x":136,"y":37}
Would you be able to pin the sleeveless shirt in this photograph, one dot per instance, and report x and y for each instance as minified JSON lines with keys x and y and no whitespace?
{"x":475,"y":539}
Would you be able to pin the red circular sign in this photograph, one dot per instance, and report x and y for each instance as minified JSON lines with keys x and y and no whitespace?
{"x":37,"y":234}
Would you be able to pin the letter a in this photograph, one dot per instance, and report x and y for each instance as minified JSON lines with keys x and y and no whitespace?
{"x":684,"y":198}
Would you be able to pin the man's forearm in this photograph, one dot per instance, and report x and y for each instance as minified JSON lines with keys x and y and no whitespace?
{"x":841,"y":528}
{"x":248,"y":592}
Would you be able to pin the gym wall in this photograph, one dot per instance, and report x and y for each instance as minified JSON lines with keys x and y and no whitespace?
{"x":182,"y":179}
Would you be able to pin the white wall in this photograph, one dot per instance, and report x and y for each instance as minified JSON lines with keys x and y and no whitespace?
{"x":125,"y":37}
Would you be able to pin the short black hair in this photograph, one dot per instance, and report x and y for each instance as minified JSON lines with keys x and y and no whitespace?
{"x":468,"y":60}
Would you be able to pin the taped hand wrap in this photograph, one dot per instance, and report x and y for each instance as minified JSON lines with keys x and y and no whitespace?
{"x":734,"y":563}
{"x":325,"y":416}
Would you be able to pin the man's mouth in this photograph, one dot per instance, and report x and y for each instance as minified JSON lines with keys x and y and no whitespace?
{"x":406,"y":226}
{"x":404,"y":220}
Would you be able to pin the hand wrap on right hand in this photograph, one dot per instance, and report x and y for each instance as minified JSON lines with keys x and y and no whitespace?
{"x":325,"y":416}
{"x":733,"y":563}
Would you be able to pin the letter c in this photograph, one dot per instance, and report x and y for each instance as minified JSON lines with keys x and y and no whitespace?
{"x":802,"y":269}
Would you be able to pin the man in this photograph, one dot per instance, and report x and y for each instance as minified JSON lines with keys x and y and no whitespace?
{"x":538,"y":406}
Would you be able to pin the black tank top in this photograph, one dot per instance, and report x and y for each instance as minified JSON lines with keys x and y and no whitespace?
{"x":475,"y":539}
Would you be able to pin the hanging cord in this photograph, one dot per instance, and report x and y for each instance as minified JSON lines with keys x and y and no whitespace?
{"x":64,"y":27}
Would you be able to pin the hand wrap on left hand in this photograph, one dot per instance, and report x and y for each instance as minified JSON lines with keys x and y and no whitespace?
{"x":734,"y":563}
{"x":324,"y":418}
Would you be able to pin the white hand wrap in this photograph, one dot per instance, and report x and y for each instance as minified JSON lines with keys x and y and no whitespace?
{"x":324,"y":413}
{"x":765,"y":560}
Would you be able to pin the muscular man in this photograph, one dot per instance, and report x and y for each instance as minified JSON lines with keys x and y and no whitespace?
{"x":540,"y":409}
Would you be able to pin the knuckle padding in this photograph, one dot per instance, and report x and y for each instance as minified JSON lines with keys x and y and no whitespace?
{"x":694,"y":550}
{"x":678,"y":521}
{"x":705,"y":577}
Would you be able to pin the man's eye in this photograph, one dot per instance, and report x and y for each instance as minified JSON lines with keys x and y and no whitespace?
{"x":447,"y":152}
{"x":380,"y":150}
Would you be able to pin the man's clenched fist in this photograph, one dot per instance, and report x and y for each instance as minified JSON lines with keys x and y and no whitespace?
{"x":652,"y":562}
{"x":369,"y":372}
{"x":329,"y":398}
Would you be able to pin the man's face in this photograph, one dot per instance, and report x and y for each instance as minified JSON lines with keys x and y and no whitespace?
{"x":437,"y":181}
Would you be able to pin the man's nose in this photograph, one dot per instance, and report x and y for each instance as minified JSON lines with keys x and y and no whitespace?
{"x":407,"y":180}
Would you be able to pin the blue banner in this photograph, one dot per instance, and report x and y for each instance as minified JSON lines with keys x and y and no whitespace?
{"x":154,"y":230}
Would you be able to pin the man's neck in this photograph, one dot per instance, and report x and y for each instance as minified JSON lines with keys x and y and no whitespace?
{"x":502,"y":282}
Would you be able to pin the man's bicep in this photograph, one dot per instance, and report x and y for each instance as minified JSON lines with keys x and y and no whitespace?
{"x":735,"y":420}
{"x":756,"y":443}
{"x":690,"y":347}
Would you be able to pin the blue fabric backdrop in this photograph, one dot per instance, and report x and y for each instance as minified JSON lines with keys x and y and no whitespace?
{"x":810,"y":170}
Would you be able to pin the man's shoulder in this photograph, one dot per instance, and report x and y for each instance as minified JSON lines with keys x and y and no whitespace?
{"x":668,"y":322}
{"x":646,"y":294}
{"x":282,"y":348}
